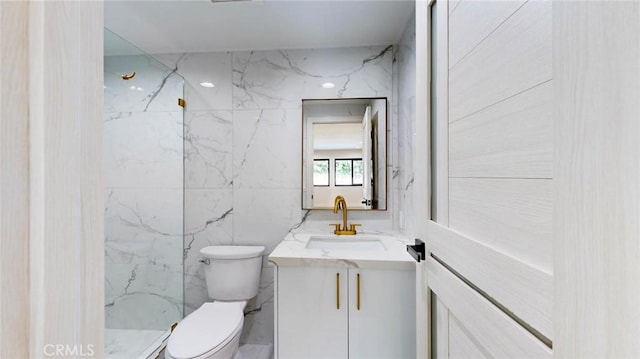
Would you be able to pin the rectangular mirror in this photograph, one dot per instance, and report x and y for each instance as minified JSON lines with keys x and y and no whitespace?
{"x":344,"y":152}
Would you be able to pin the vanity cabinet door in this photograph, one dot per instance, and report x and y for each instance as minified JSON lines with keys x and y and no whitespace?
{"x":312,"y":313}
{"x":381,"y":314}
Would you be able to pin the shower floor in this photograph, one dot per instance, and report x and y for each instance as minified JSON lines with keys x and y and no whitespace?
{"x":130,"y":343}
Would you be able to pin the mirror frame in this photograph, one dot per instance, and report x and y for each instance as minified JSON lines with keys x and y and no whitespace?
{"x":386,"y":153}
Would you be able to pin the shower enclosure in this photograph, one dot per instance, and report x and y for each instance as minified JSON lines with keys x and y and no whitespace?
{"x":143,"y":152}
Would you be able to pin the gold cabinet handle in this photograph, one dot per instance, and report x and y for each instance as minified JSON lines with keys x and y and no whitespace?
{"x":358,"y":290}
{"x":338,"y":291}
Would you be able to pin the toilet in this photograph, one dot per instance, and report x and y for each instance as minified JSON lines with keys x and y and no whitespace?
{"x":213,"y":331}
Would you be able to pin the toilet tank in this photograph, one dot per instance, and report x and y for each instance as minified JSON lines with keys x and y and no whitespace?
{"x":232,"y":272}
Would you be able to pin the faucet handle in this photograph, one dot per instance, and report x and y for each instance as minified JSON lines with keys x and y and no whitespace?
{"x":353,"y":226}
{"x":337,"y":225}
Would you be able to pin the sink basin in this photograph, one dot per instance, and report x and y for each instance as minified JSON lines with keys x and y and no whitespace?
{"x":347,"y":244}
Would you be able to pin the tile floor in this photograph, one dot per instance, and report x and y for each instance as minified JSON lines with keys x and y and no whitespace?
{"x":130,"y":343}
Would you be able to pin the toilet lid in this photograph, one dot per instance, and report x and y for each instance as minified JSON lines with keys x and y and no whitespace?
{"x":211,"y":325}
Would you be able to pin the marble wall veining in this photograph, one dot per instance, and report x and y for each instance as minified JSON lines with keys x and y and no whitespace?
{"x":143,"y":152}
{"x":243,"y":152}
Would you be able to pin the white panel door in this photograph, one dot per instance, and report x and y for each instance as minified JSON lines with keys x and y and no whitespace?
{"x":490,"y":329}
{"x":421,"y":179}
{"x":312,"y":313}
{"x":463,"y":345}
{"x":491,"y":149}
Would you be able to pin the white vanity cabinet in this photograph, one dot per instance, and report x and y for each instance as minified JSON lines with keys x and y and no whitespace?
{"x":311,"y":307}
{"x":335,"y":312}
{"x":383,"y":324}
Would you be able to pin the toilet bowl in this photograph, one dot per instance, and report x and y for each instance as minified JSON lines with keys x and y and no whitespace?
{"x":210,"y":332}
{"x":213,"y":331}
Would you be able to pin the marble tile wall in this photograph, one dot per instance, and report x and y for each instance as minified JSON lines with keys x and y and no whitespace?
{"x":143,"y":142}
{"x":243,"y":152}
{"x":406,"y":87}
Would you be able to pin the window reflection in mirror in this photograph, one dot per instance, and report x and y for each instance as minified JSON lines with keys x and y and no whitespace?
{"x":344,"y":153}
{"x":321,"y":172}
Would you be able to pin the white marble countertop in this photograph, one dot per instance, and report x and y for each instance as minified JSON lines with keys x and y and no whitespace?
{"x":293,"y":251}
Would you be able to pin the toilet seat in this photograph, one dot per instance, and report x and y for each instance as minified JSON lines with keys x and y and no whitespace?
{"x":207,"y":330}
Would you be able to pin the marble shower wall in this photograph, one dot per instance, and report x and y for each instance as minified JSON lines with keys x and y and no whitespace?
{"x":405,"y":80}
{"x":143,"y":146}
{"x":243,"y":152}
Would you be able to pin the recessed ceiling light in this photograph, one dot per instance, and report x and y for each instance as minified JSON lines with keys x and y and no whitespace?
{"x":132,"y":87}
{"x":328,"y":85}
{"x":207,"y":84}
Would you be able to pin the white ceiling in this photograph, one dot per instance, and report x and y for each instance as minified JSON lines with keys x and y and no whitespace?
{"x":205,"y":26}
{"x":337,"y":136}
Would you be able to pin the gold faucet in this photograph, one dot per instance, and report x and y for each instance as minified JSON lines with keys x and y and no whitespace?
{"x":340,"y":203}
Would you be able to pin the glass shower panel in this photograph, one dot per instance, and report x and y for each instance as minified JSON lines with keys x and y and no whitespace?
{"x":143,"y":152}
